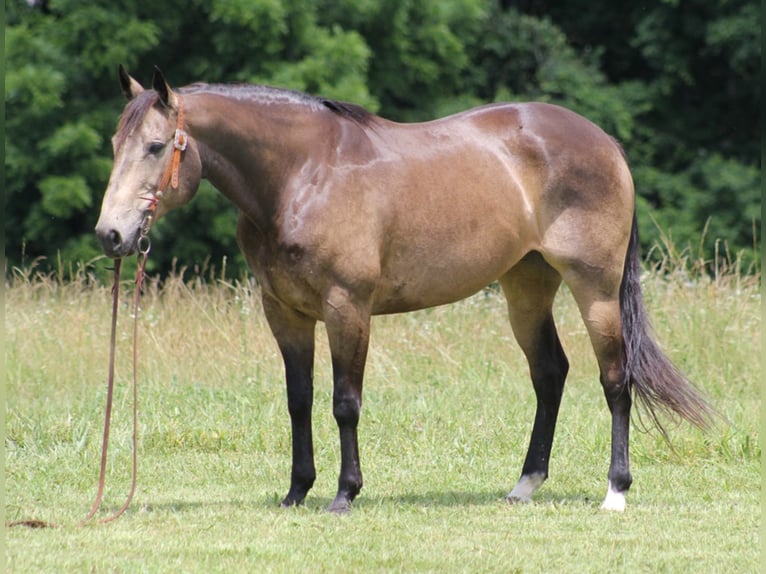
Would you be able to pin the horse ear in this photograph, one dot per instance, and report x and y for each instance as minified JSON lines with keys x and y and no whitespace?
{"x":130,"y":87}
{"x":161,"y":86}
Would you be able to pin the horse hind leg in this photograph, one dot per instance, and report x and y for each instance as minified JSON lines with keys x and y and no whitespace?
{"x":629,"y":360}
{"x":530,"y":288}
{"x":598,"y":297}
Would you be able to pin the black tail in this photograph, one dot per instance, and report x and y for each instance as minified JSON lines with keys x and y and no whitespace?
{"x":657,"y":384}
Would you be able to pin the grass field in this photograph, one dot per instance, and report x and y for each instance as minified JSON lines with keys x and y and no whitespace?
{"x":445,"y":424}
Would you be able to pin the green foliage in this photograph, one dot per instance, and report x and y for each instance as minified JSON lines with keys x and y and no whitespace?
{"x":675,"y":82}
{"x":334,"y":66}
{"x":62,"y":196}
{"x":418,"y":58}
{"x":521,"y":57}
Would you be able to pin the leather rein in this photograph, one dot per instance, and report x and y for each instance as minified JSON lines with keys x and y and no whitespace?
{"x":169,"y":177}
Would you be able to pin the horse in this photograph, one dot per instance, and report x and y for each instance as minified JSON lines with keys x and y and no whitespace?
{"x":344,"y":215}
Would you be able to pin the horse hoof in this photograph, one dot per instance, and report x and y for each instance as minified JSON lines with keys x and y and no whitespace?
{"x":614,"y":501}
{"x":290,"y":502}
{"x":613,"y":507}
{"x":525,"y":488}
{"x":340,"y":506}
{"x":517,"y":499}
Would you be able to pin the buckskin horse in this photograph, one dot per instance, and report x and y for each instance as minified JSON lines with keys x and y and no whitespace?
{"x":344,"y":215}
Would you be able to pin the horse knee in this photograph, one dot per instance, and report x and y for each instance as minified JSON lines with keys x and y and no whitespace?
{"x":346,"y":408}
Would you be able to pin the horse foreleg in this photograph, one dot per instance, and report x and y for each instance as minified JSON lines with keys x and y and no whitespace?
{"x":295,"y":336}
{"x":348,"y":331}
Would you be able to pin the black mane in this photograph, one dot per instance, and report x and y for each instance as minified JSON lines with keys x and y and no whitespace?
{"x":353,"y":112}
{"x":258,"y":92}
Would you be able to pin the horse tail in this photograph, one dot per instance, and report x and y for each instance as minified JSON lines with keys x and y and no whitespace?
{"x":657,"y":384}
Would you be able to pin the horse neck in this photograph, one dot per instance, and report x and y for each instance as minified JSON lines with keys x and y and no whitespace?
{"x":249,"y":149}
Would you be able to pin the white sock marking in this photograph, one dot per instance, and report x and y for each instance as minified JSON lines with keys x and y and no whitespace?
{"x":525,"y":488}
{"x":614,"y":500}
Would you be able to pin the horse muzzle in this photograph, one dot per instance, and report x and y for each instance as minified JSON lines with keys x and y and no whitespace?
{"x":117,"y":243}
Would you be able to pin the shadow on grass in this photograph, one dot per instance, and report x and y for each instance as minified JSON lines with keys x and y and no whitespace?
{"x":438,"y":498}
{"x":451,"y":498}
{"x":430,"y":499}
{"x":188,"y":506}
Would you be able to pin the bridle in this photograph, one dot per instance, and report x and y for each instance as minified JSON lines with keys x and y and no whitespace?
{"x":169,"y":177}
{"x":170,"y":173}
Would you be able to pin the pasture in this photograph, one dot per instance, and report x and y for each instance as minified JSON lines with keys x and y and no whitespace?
{"x":448,"y":408}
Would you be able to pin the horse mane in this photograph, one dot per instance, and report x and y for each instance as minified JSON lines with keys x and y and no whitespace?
{"x":136,"y":109}
{"x":261,"y":93}
{"x":353,"y":112}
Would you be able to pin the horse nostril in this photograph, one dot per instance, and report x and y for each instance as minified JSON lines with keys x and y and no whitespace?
{"x":110,"y":239}
{"x":114,"y":238}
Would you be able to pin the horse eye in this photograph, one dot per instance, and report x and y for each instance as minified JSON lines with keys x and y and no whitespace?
{"x":155,"y":148}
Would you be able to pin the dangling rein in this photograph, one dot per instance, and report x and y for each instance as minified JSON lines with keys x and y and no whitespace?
{"x":35,"y":523}
{"x":169,"y":176}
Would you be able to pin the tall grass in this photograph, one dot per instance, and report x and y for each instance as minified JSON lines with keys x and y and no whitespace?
{"x":445,"y":423}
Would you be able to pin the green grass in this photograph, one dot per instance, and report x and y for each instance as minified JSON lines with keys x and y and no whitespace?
{"x":445,"y":424}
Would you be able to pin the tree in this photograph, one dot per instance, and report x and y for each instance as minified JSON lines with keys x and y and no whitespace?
{"x":689,"y":72}
{"x":56,"y":160}
{"x":672,"y":80}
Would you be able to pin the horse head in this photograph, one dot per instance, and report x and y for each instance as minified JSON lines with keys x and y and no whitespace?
{"x":156,"y":165}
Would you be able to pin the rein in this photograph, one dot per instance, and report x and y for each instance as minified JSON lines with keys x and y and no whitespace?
{"x":170,"y":176}
{"x":140,"y":275}
{"x":143,"y":253}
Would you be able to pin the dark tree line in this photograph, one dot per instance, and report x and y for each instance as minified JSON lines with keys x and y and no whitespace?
{"x":676,"y":81}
